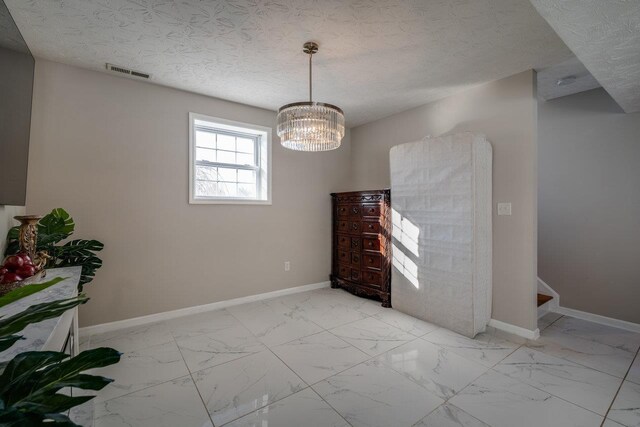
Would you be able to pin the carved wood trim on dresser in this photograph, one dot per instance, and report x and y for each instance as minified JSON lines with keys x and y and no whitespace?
{"x":361,"y":260}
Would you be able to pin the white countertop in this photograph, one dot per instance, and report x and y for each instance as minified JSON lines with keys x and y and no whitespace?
{"x":36,"y":334}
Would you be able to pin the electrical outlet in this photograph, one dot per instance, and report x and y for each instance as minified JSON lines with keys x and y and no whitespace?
{"x":287,"y":266}
{"x":504,"y":208}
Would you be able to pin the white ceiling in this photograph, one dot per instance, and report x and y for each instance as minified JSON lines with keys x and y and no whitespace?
{"x":605,"y":36}
{"x":377,"y":57}
{"x":548,"y":79}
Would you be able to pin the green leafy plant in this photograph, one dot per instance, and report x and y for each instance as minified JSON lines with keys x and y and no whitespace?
{"x":53,"y":228}
{"x":31,"y":382}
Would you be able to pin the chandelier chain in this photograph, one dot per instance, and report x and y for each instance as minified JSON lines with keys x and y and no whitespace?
{"x":310,"y":78}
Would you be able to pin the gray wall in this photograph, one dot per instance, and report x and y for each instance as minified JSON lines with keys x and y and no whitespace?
{"x":504,"y":110}
{"x":114,"y":153}
{"x":589,"y":204}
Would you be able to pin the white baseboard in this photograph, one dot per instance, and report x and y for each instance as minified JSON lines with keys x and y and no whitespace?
{"x":554,"y":306}
{"x":596,"y":318}
{"x":143,"y":320}
{"x":516,"y":330}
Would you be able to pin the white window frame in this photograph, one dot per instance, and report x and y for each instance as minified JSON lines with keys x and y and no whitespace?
{"x":263,"y":160}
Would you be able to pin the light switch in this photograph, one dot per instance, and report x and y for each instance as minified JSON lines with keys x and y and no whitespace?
{"x":504,"y":208}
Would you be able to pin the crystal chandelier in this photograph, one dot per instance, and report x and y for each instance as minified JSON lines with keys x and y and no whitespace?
{"x":310,"y":126}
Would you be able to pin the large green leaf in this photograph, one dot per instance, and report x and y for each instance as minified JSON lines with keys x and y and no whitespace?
{"x":36,"y":313}
{"x":57,"y":222}
{"x":30,"y":383}
{"x":11,"y":417}
{"x":31,"y":380}
{"x":12,"y":241}
{"x":7,"y":341}
{"x":21,"y":369}
{"x":52,"y":404}
{"x":80,"y":252}
{"x":27,"y":290}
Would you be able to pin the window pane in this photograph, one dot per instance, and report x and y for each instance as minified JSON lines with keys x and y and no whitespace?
{"x":206,"y":173}
{"x":205,"y":154}
{"x":227,"y":189}
{"x":246,"y":176}
{"x":226,"y":174}
{"x":246,"y":145}
{"x":246,"y":159}
{"x":206,"y":189}
{"x":226,"y":142}
{"x":247,"y":190}
{"x":226,"y":157}
{"x":205,"y":139}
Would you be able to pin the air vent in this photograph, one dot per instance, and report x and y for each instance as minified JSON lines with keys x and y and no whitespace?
{"x":121,"y":70}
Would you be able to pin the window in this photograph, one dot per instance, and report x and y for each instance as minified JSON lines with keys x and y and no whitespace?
{"x":229,"y":161}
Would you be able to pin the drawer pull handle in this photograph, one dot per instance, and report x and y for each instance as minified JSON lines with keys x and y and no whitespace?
{"x":370,"y":226}
{"x":355,"y":210}
{"x":354,"y":226}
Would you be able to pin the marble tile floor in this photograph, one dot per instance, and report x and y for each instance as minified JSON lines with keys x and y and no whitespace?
{"x":328,"y":358}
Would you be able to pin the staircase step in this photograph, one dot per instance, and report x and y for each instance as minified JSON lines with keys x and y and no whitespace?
{"x":543,"y":299}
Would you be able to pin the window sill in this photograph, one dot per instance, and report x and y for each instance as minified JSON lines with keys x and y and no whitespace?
{"x":228,"y":202}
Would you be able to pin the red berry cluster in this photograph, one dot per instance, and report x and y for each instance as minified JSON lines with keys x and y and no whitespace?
{"x":16,"y":268}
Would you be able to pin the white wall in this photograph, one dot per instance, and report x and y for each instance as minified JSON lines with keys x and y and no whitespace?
{"x":505,"y":111}
{"x":114,"y":153}
{"x":589,"y":210}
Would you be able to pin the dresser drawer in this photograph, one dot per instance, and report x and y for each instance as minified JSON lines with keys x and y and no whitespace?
{"x":344,"y":241}
{"x":372,"y":261}
{"x":342,"y":225}
{"x":372,"y":278}
{"x":371,"y":209}
{"x":371,"y":244}
{"x":349,"y":273}
{"x":344,"y":271}
{"x":344,"y":256}
{"x":342,"y":210}
{"x":355,"y":210}
{"x":371,"y":227}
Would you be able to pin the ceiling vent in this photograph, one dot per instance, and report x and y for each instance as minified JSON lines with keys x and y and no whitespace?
{"x":131,"y":73}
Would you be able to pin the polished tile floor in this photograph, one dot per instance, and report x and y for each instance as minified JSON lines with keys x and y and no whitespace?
{"x":327,"y":358}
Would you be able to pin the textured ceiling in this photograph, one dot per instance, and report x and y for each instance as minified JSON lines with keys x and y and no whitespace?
{"x":548,"y":79}
{"x":11,"y":38}
{"x":377,"y":57}
{"x":605,"y":36}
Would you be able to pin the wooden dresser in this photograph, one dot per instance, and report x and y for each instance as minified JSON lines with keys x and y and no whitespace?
{"x":361,"y":261}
